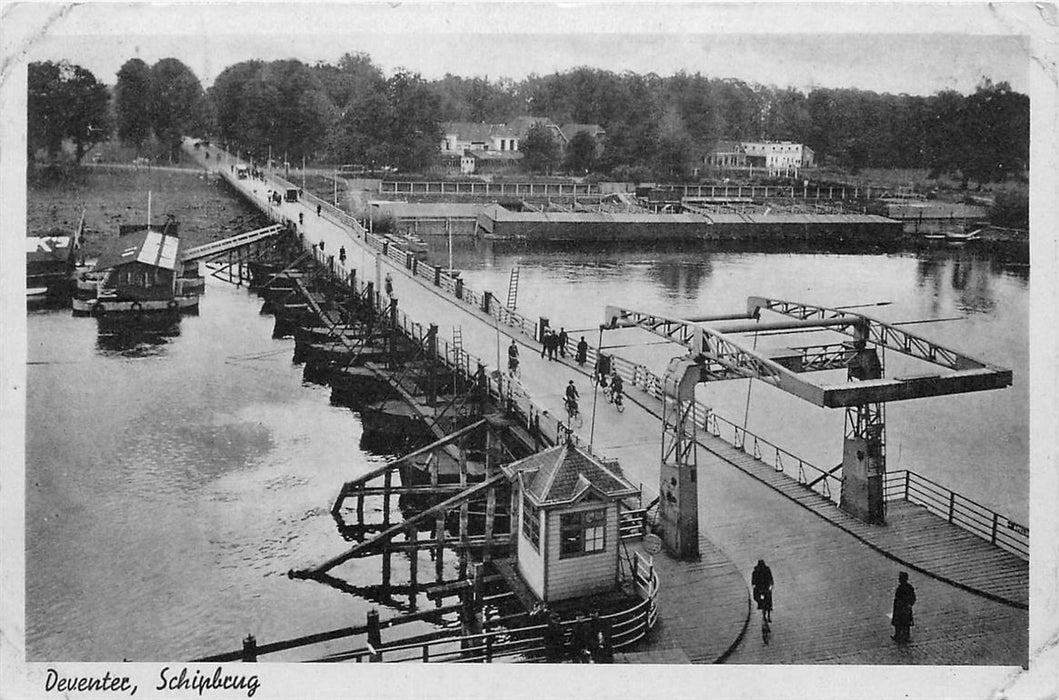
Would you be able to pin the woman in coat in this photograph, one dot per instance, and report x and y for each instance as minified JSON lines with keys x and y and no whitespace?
{"x":904,"y":599}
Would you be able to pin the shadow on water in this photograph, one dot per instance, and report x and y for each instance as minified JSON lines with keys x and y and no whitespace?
{"x":145,"y":336}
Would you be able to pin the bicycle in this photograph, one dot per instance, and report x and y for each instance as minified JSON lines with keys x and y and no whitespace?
{"x":573,"y":415}
{"x":766,"y":629}
{"x":618,"y":401}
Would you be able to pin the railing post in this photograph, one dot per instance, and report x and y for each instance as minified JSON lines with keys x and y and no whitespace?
{"x":486,"y":299}
{"x":249,"y":649}
{"x":952,"y":508}
{"x":996,"y":521}
{"x":426,"y":653}
{"x":374,"y":634}
{"x":489,"y":649}
{"x":459,"y":288}
{"x":908,"y":483}
{"x":437,"y":275}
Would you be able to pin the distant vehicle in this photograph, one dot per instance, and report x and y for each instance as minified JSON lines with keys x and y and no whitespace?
{"x":242,"y":172}
{"x":292,"y":194}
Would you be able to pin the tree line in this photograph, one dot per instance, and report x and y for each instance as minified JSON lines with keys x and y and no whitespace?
{"x":656,"y":127}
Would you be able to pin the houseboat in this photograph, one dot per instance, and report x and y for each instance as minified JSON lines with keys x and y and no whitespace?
{"x":50,"y":262}
{"x":49,"y":265}
{"x":141,"y":272}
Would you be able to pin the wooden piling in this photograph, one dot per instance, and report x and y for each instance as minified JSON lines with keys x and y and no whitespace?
{"x":490,"y":517}
{"x":249,"y":649}
{"x":387,"y":484}
{"x":439,"y":551}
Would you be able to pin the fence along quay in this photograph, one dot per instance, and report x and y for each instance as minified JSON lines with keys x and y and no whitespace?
{"x":808,"y":479}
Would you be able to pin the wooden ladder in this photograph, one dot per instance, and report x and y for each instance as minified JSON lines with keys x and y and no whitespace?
{"x":512,"y":289}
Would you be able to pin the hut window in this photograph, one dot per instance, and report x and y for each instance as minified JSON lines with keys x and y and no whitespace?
{"x":582,"y":533}
{"x":531,"y":523}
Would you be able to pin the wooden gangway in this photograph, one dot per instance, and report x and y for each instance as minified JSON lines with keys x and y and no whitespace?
{"x":232,"y":243}
{"x":749,"y":507}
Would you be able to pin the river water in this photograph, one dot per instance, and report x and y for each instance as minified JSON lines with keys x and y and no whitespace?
{"x":171,"y":481}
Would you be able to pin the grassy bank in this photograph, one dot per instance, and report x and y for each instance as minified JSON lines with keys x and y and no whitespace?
{"x":206,"y":209}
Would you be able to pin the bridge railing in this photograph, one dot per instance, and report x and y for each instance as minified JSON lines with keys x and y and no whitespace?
{"x":958,"y":510}
{"x":523,"y":643}
{"x":782,"y":460}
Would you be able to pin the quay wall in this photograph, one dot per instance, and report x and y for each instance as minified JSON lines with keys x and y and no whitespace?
{"x":494,"y":224}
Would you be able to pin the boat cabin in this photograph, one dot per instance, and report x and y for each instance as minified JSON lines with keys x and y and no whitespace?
{"x":567,"y":539}
{"x":49,"y":259}
{"x":140,"y":266}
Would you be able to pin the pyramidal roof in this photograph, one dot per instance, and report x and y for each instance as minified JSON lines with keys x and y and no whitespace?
{"x":562,"y":474}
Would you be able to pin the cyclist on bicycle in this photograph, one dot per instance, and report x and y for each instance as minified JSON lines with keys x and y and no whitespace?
{"x":616,"y":388}
{"x":512,"y":357}
{"x":603,"y":370}
{"x":571,"y":398}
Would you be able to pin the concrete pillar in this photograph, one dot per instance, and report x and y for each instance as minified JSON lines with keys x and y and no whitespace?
{"x":437,"y":275}
{"x":864,"y":448}
{"x":487,"y":298}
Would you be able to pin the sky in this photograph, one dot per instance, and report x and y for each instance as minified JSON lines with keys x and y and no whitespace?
{"x":915,"y":49}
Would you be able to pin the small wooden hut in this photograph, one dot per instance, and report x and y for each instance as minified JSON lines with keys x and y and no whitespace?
{"x":567,"y":528}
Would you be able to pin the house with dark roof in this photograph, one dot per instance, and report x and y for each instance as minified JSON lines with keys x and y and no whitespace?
{"x":567,"y":538}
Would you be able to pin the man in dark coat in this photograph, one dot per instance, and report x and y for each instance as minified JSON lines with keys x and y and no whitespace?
{"x":582,"y":352}
{"x":904,"y":599}
{"x":761,"y":580}
{"x":562,"y":340}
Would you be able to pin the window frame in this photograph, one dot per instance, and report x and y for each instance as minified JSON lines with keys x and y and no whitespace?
{"x":531,"y":523}
{"x":582,"y":526}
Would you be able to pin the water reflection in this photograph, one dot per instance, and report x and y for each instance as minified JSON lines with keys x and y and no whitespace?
{"x":146,"y":336}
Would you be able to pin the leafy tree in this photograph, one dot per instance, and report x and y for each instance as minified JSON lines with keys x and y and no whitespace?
{"x":998,"y":121}
{"x":539,"y":149}
{"x":177,"y":104}
{"x":361,"y":134}
{"x":65,"y":101}
{"x":132,"y":102}
{"x":581,"y":153}
{"x":414,"y":130}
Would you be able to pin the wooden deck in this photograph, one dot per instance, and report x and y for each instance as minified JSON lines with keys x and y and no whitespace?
{"x":912,"y":536}
{"x":702,"y":606}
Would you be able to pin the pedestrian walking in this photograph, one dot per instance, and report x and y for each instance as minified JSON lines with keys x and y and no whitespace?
{"x":388,"y":285}
{"x":582,"y":352}
{"x":904,"y":599}
{"x":761,"y":581}
{"x":544,"y":342}
{"x":321,"y":246}
{"x":563,"y":340}
{"x":553,"y":344}
{"x":318,"y":209}
{"x":301,"y":218}
{"x":342,"y":254}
